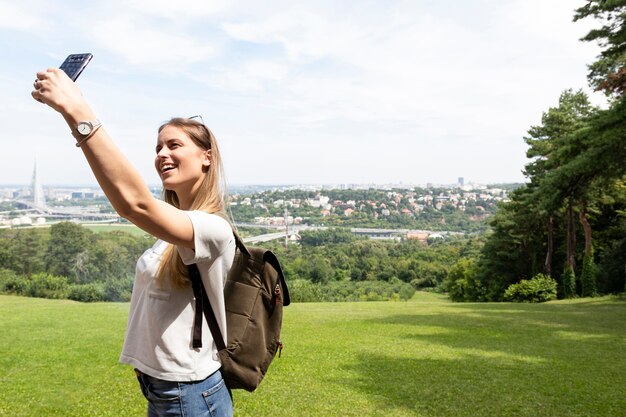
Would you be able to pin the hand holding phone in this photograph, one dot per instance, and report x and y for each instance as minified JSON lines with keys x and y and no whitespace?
{"x":75,"y":64}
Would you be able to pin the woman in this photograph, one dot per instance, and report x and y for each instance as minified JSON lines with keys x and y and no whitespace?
{"x":175,"y":378}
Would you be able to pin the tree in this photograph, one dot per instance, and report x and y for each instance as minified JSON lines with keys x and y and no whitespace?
{"x":320,"y":270}
{"x":588,"y":276}
{"x":461,"y":284}
{"x":607,"y":73}
{"x":325,"y":237}
{"x":68,"y":241}
{"x":552,"y":144}
{"x":512,"y":251}
{"x":22,"y":250}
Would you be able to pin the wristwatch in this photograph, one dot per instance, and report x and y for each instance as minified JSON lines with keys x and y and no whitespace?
{"x":85,"y":128}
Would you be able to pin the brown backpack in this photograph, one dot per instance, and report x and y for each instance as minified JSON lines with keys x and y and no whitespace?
{"x":254,"y":295}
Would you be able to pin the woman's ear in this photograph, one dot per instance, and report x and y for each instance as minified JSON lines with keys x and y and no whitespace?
{"x":206,"y":159}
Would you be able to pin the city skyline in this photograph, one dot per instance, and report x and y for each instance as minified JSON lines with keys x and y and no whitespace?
{"x":36,"y":186}
{"x":298,"y":92}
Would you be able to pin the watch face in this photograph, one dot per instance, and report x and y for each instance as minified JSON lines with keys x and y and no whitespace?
{"x":84,"y":128}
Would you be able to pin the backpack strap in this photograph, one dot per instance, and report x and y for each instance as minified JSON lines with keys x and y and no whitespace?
{"x":203,"y":305}
{"x":239,"y":243}
{"x":238,"y":240}
{"x":202,"y":300}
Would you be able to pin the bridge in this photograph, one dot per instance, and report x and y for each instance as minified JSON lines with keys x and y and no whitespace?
{"x":368,"y":232}
{"x":293,"y":230}
{"x":36,"y":209}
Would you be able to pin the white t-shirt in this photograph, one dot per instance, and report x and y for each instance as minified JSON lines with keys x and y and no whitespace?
{"x":159,"y":333}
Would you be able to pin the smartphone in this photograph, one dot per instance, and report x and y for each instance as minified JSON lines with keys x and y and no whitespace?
{"x":75,"y":64}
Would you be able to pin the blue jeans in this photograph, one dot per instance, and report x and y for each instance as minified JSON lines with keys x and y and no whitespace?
{"x":208,"y":398}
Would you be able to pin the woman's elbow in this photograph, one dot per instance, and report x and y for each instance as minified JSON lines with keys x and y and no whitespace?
{"x":132,"y":211}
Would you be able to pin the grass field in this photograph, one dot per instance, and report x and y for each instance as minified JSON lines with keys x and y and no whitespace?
{"x":128,"y":228}
{"x":425,"y":357}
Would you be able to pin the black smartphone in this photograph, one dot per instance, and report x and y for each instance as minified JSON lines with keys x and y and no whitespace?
{"x":75,"y":64}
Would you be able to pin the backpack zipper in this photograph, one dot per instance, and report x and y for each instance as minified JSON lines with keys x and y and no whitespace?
{"x":277,"y":292}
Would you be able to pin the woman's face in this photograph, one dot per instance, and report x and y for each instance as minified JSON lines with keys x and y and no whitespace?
{"x":180,"y":163}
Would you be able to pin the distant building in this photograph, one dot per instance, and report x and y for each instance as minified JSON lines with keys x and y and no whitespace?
{"x":83,"y":195}
{"x":39,"y":200}
{"x":421,"y":236}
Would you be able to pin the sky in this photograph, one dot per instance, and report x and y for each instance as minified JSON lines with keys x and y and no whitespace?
{"x":297,"y":92}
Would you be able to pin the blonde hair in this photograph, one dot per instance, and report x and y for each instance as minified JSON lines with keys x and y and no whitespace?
{"x":210,"y":197}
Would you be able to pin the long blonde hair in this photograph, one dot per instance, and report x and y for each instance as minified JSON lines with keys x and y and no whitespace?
{"x":210,"y":197}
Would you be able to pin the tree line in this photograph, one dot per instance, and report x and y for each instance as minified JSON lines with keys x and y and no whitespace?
{"x":568,"y":222}
{"x":68,"y":260}
{"x":335,"y":265}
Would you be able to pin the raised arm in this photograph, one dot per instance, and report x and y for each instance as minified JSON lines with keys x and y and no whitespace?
{"x":120,"y":181}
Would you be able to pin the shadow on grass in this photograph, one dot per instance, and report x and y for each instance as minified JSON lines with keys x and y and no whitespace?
{"x":499,"y":360}
{"x":428,"y":387}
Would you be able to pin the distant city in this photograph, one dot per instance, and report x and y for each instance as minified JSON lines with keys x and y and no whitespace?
{"x":36,"y":204}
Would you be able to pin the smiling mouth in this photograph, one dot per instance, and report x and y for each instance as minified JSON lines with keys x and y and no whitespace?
{"x":167,"y":167}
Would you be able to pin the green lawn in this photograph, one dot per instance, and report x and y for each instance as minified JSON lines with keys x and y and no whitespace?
{"x":425,"y":357}
{"x":126,"y":227}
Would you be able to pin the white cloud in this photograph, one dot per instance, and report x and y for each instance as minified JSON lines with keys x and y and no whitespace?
{"x":301,"y":32}
{"x":181,"y":9}
{"x":549,"y":21}
{"x":248,"y":77}
{"x":415,"y":64}
{"x":144,"y":45}
{"x":19,"y":17}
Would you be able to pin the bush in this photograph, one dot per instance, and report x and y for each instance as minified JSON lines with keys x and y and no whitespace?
{"x":39,"y":285}
{"x":118,"y":289}
{"x":46,"y":286}
{"x":394,"y":290}
{"x":87,"y":293}
{"x":303,"y":291}
{"x":10,"y":282}
{"x":536,"y":290}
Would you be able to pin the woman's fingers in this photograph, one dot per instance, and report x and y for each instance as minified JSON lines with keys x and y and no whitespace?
{"x":54,"y":88}
{"x":36,"y":93}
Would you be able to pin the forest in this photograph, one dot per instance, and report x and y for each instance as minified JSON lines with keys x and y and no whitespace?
{"x":567,"y":224}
